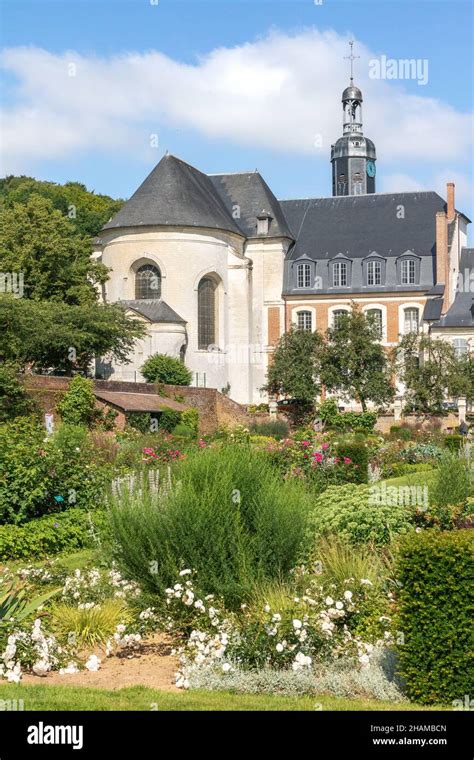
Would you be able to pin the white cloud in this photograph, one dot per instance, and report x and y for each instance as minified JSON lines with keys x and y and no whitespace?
{"x":279,"y":92}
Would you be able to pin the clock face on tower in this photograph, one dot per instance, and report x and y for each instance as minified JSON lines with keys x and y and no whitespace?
{"x":370,"y":169}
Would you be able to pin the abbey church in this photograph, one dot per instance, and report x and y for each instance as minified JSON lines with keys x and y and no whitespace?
{"x":218,"y":268}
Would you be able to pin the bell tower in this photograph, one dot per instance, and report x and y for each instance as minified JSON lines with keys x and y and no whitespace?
{"x":353,"y":156}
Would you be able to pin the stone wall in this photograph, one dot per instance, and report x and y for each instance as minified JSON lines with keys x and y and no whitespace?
{"x":447,"y":423}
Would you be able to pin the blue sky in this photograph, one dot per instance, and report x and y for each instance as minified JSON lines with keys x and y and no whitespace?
{"x":234,"y":85}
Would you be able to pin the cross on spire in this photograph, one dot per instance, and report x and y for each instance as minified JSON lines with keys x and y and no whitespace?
{"x":351,"y":58}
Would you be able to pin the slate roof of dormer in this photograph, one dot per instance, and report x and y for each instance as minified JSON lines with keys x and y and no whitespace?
{"x":153,"y":309}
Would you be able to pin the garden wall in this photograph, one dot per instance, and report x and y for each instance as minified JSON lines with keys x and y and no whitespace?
{"x":214,"y":408}
{"x":447,"y":424}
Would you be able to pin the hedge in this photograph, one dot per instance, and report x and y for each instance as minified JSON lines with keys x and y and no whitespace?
{"x":436,"y":605}
{"x":66,"y":531}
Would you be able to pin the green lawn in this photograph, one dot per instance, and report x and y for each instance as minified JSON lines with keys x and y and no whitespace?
{"x":426,"y":478}
{"x":143,"y":698}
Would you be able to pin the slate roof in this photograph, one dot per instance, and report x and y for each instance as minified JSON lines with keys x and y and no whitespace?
{"x":432,"y":310}
{"x":356,"y":225}
{"x":153,"y":309}
{"x":461,"y":312}
{"x":175,"y":194}
{"x":251,"y":193}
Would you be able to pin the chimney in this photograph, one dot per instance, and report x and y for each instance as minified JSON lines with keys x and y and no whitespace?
{"x":442,"y":255}
{"x":450,"y":201}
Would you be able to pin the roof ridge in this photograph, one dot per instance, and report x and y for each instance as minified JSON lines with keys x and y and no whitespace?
{"x":362,"y":195}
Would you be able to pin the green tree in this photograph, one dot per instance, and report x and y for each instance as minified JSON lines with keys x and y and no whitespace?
{"x":430,"y":371}
{"x":77,"y":407}
{"x":13,"y":399}
{"x":294,"y":368}
{"x":161,"y":368}
{"x":354,"y":363}
{"x":43,"y":335}
{"x":41,"y":243}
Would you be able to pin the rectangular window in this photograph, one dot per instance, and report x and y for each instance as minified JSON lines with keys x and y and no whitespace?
{"x":303,"y":277}
{"x":305,"y":321}
{"x":339,"y":274}
{"x":411,"y":320}
{"x":408,"y":272}
{"x":374,"y":273}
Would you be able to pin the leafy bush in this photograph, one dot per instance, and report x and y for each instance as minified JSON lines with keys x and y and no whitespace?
{"x":453,"y":481}
{"x":190,"y":418}
{"x":435,"y":615}
{"x":161,"y":368}
{"x":364,"y":421}
{"x":78,"y":405}
{"x":403,"y":433}
{"x":168,"y":419}
{"x":14,"y":401}
{"x":183,"y":431}
{"x":350,"y":512}
{"x":68,"y":531}
{"x":274,"y":428}
{"x":397,"y":469}
{"x":454,"y":442}
{"x":228,"y":516}
{"x":358,"y":453}
{"x":140,"y":421}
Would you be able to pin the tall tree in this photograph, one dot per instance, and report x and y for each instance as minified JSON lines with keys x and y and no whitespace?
{"x":431,"y":372}
{"x":46,"y":334}
{"x":294,"y":367}
{"x":42,"y":244}
{"x":354,"y":363}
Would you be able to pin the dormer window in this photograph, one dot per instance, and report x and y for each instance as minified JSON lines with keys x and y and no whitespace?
{"x":263,"y":223}
{"x":408,"y":272}
{"x":374,"y":273}
{"x":303,"y":276}
{"x":339,"y":274}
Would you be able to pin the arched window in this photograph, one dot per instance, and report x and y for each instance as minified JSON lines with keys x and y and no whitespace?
{"x":206,"y":313}
{"x":147,"y":282}
{"x":336,"y":316}
{"x":411,"y":320}
{"x":376,"y":318}
{"x":305,"y":321}
{"x":460,"y":347}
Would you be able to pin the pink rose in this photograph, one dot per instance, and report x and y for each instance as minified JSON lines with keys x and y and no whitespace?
{"x":347,"y":460}
{"x":325,"y":446}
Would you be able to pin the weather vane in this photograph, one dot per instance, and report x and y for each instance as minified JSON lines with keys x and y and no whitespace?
{"x":351,"y":58}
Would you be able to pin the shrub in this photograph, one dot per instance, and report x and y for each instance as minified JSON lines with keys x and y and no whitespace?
{"x":228,"y":516}
{"x":402,"y":433}
{"x":168,"y":419}
{"x":190,"y":418}
{"x":453,"y":481}
{"x":14,"y":401}
{"x":77,"y":407}
{"x":454,"y":442}
{"x":351,"y":512}
{"x":183,"y":431}
{"x":359,"y":454}
{"x":161,"y":368}
{"x":435,"y":615}
{"x":274,"y":428}
{"x":140,"y":421}
{"x":68,"y":531}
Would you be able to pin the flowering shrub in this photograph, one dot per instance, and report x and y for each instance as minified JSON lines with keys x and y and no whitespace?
{"x":322,"y":624}
{"x":318,"y":464}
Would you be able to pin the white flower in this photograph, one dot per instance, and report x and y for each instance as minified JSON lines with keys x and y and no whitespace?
{"x":329,"y":601}
{"x":120,"y":628}
{"x":226,"y":667}
{"x":41,"y":667}
{"x":297,"y":624}
{"x":276,"y":617}
{"x":93,"y":663}
{"x":267,"y":608}
{"x":366,"y":582}
{"x":71,"y":668}
{"x":348,"y":595}
{"x":339,"y":606}
{"x":301,"y":661}
{"x":185,"y":572}
{"x":364,"y":660}
{"x":279,"y":647}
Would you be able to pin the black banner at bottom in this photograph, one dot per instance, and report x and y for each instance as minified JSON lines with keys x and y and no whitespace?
{"x":134,"y":734}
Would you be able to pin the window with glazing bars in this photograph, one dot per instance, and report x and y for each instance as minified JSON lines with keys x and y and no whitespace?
{"x":339,"y":274}
{"x":206,"y":313}
{"x":408,"y":272}
{"x":147,"y":282}
{"x":374,"y":273}
{"x":303,"y":275}
{"x":305,"y":321}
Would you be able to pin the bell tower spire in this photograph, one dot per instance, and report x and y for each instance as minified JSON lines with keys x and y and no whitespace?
{"x":353,"y":155}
